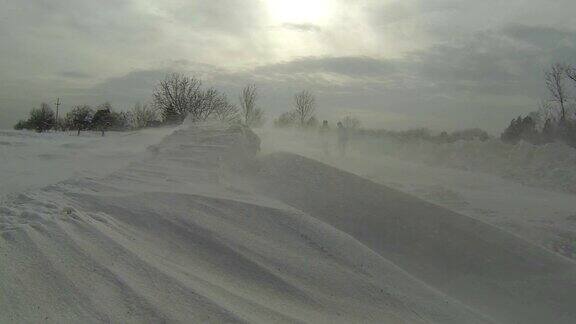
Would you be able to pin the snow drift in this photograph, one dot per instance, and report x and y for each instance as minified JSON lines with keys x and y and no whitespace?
{"x":202,"y":231}
{"x":490,"y":270}
{"x":482,"y":180}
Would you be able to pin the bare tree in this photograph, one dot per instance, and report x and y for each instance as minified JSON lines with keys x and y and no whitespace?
{"x":570,"y":72}
{"x":351,"y":122}
{"x":205,"y":106}
{"x":305,"y":107}
{"x":177,"y":96}
{"x":547,"y":111}
{"x":224,"y":110}
{"x":143,"y":115}
{"x":555,"y":83}
{"x":251,"y":115}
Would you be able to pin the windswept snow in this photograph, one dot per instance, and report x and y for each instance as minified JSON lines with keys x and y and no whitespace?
{"x":30,"y":160}
{"x":171,"y":238}
{"x":546,"y":166}
{"x":460,"y":177}
{"x":198,"y":229}
{"x":488,"y":269}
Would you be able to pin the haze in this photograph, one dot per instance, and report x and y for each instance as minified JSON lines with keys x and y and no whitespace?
{"x":288,"y":161}
{"x":441,"y":64}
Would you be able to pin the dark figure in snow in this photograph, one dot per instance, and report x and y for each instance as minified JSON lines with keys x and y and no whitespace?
{"x":325,"y":137}
{"x":342,"y":138}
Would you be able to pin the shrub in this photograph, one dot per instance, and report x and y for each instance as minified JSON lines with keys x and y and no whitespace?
{"x":41,"y":119}
{"x":22,"y":124}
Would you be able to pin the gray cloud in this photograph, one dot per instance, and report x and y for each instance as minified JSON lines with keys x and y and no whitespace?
{"x":302,"y":27}
{"x":348,"y":66}
{"x":228,"y":16}
{"x":542,"y":37}
{"x":75,"y":74}
{"x":436,"y":63}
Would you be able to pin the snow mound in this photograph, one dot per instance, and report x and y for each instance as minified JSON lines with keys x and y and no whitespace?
{"x":490,"y":270}
{"x":201,"y":231}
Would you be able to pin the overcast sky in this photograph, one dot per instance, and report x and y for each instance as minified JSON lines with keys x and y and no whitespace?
{"x":392,"y":63}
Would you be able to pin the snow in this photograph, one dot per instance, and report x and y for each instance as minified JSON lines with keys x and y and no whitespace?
{"x":548,"y":166}
{"x":472,"y":178}
{"x":29,"y":160}
{"x":197,"y":229}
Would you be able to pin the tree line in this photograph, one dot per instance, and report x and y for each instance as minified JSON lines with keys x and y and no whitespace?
{"x":87,"y":118}
{"x":174,"y":99}
{"x":556,"y":118}
{"x":179,"y":97}
{"x":427,"y":135}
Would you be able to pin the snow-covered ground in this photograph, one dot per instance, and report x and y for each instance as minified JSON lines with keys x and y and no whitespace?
{"x":545,"y":166}
{"x":198,"y":229}
{"x":29,"y":160}
{"x":171,"y":238}
{"x":493,"y":190}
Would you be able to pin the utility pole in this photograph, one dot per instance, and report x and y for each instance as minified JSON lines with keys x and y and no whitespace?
{"x":58,"y":103}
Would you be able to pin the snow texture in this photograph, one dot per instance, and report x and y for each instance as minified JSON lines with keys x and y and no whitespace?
{"x":201,"y":229}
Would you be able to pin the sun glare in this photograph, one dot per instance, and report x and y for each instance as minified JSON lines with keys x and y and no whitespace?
{"x":299,"y":11}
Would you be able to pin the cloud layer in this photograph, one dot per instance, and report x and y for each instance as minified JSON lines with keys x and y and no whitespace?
{"x":395,"y":64}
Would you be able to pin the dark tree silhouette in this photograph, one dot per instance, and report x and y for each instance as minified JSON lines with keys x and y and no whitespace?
{"x":102,"y":119}
{"x":305,"y":107}
{"x":177,"y":96}
{"x":557,"y":88}
{"x":224,"y":110}
{"x":252,"y":116}
{"x":80,"y":118}
{"x":42,"y":119}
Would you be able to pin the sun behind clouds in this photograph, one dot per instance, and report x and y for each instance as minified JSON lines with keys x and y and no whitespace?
{"x":315,"y":12}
